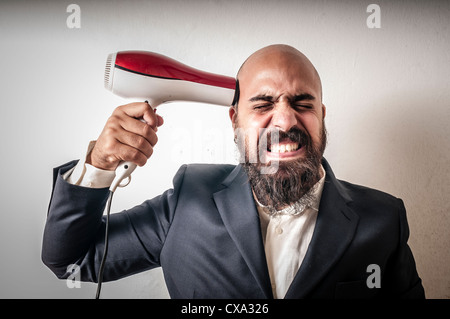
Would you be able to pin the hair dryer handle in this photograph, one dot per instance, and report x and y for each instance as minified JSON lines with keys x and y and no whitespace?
{"x":153,"y":104}
{"x":123,"y":170}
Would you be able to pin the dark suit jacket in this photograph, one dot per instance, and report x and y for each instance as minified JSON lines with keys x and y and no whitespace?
{"x":205,"y":233}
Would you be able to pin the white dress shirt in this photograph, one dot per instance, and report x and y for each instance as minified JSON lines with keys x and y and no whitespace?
{"x":86,"y":175}
{"x":286,"y":233}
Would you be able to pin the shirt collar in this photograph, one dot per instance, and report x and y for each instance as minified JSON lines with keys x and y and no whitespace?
{"x":309,"y":200}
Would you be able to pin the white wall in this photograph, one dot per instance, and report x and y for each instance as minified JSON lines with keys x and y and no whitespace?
{"x":386,"y":90}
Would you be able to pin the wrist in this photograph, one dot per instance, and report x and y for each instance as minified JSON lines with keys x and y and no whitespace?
{"x":92,"y":160}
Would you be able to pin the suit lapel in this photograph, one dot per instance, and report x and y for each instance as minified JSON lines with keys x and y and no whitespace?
{"x":335,"y":227}
{"x":238,"y":212}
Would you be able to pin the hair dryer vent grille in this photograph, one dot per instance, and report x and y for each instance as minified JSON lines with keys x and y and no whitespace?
{"x":110,"y":62}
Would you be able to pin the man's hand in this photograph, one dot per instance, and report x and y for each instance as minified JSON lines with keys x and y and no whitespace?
{"x":125,"y":137}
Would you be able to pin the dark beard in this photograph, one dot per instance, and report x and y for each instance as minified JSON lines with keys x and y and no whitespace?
{"x":293,"y":179}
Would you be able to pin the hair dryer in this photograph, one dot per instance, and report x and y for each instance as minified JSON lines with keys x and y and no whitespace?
{"x":159,"y":79}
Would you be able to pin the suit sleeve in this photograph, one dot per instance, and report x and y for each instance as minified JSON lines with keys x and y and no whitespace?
{"x":402,"y":276}
{"x":75,"y":229}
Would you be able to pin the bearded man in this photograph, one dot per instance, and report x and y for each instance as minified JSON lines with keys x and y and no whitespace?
{"x":278,"y":225}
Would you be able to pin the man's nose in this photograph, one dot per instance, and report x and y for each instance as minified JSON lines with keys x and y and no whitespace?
{"x":284,"y":117}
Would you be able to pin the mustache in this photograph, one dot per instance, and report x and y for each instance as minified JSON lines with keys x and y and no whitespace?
{"x":295,"y":135}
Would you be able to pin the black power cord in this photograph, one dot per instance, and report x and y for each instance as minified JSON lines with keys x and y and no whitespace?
{"x":105,"y":250}
{"x":123,"y":170}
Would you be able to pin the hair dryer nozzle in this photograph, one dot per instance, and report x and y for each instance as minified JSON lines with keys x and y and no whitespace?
{"x":159,"y":79}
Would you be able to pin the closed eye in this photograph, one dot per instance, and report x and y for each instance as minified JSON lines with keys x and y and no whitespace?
{"x":263,"y":107}
{"x":303,"y":106}
{"x":260,"y":106}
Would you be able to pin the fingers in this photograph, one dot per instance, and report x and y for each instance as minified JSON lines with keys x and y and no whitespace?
{"x":140,"y":110}
{"x":160,"y":119}
{"x":134,"y":126}
{"x":127,"y":138}
{"x":125,"y":152}
{"x":143,"y":143}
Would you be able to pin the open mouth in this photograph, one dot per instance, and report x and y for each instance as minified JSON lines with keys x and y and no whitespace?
{"x":284,"y":147}
{"x":285,"y":150}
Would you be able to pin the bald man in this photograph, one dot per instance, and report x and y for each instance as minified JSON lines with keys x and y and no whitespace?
{"x":278,"y":225}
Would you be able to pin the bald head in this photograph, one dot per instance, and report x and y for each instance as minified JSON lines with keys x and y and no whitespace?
{"x":279,"y":57}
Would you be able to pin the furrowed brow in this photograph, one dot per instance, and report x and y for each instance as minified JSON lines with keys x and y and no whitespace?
{"x":295,"y":98}
{"x":303,"y":97}
{"x":261,"y":97}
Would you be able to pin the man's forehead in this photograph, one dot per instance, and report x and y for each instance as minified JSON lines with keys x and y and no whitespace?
{"x":279,"y":63}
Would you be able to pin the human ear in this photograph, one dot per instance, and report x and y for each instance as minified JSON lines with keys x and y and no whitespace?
{"x":233,"y":116}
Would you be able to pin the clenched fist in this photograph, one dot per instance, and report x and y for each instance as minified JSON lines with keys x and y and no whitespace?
{"x":126,"y":137}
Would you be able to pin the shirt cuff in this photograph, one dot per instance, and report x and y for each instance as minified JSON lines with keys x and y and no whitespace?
{"x":86,"y":175}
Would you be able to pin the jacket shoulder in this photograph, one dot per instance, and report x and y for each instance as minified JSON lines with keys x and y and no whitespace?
{"x":374,"y":205}
{"x":367,"y":191}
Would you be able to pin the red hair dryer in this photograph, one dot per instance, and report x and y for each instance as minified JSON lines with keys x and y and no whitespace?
{"x":159,"y":79}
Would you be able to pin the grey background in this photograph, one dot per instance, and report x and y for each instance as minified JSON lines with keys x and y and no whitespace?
{"x":386,"y":91}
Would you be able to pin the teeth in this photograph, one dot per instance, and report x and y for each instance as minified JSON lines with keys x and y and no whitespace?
{"x":283,"y":148}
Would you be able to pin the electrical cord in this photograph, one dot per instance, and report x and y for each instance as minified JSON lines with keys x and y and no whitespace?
{"x":123,"y":171}
{"x":105,"y":250}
